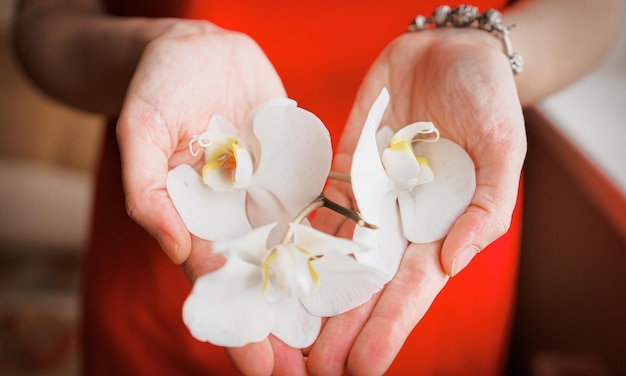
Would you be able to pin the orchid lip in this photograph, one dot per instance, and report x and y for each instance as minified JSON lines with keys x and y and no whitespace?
{"x":400,"y":160}
{"x":288,"y":268}
{"x":228,"y":165}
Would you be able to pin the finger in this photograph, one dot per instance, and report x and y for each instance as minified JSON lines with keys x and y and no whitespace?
{"x":402,"y":305}
{"x":489,"y":215}
{"x":201,"y":259}
{"x":307,"y":350}
{"x":253,"y":359}
{"x":287,"y":360}
{"x":145,"y":151}
{"x":329,"y":353}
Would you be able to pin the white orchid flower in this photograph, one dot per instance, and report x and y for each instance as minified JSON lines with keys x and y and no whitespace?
{"x":266,"y":172}
{"x":284,"y":290}
{"x":412,"y":185}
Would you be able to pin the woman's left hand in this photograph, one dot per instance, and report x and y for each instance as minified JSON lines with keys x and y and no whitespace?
{"x":461,"y":81}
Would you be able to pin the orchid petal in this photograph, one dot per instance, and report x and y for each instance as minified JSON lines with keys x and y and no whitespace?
{"x":293,"y":324}
{"x":298,"y":142}
{"x":226,"y":307}
{"x":252,"y":143}
{"x":383,"y":138}
{"x":207,"y":214}
{"x":220,"y":125}
{"x":264,"y":207}
{"x":370,"y":182}
{"x":344,"y":284}
{"x":320,"y":244}
{"x":251,"y":247}
{"x":273,"y":102}
{"x":388,"y":240}
{"x":429,"y":210}
{"x":244,"y":168}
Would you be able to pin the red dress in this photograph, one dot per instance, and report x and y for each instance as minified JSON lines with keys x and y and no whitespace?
{"x":133,"y":294}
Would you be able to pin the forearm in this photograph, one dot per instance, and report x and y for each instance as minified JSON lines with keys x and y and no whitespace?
{"x":560,"y":40}
{"x":79,"y":55}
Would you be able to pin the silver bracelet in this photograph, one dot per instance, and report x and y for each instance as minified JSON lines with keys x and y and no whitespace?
{"x":468,"y":16}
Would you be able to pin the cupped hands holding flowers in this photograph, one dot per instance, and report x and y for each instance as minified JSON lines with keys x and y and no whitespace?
{"x":255,"y":185}
{"x":263,"y":173}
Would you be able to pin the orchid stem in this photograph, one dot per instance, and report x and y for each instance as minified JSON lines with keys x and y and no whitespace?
{"x":340,"y":176}
{"x":317,"y":203}
{"x":320,"y":201}
{"x":348,"y":213}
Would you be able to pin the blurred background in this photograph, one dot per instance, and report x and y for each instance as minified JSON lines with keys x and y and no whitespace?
{"x":571,"y":310}
{"x":47,"y":156}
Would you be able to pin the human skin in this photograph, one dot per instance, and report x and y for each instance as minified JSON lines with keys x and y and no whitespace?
{"x":131,"y":67}
{"x":462,"y":82}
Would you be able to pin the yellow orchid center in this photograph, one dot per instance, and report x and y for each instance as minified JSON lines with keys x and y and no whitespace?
{"x":289,"y":269}
{"x":222,"y":158}
{"x":404,"y":167}
{"x":227,"y":164}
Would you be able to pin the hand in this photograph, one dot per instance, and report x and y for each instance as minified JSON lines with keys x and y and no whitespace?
{"x":461,"y":81}
{"x":185,"y":75}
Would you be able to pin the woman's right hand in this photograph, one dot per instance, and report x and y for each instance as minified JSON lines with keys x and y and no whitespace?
{"x":188,"y":73}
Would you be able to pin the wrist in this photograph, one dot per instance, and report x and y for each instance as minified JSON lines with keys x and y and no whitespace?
{"x":468,"y":16}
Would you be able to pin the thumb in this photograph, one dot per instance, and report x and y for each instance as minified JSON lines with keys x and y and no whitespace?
{"x":144,"y":155}
{"x":486,"y":219}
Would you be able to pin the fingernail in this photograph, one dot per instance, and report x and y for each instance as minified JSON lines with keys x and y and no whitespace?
{"x":463,"y":259}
